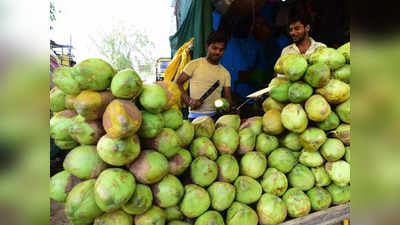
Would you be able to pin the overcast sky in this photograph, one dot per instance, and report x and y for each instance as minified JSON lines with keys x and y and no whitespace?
{"x":80,"y":19}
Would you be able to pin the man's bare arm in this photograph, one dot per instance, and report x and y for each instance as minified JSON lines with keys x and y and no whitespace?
{"x":185,"y":97}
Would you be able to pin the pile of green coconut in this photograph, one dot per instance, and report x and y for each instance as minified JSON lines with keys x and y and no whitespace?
{"x":133,"y":159}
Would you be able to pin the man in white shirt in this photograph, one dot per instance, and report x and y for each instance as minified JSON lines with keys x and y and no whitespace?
{"x":299,"y":28}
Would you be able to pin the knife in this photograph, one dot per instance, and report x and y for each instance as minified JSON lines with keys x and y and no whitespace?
{"x":209,"y":92}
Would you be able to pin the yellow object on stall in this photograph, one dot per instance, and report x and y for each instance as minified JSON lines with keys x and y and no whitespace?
{"x":181,"y":59}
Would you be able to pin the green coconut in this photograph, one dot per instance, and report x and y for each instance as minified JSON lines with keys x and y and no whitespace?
{"x":64,"y":79}
{"x":86,"y":132}
{"x":270,"y":103}
{"x":321,"y":176}
{"x":203,"y":126}
{"x":339,"y":172}
{"x":329,"y":124}
{"x":180,"y":162}
{"x":210,"y":217}
{"x":221,"y":104}
{"x":320,"y":198}
{"x":330,"y":56}
{"x":294,"y":67}
{"x":66,"y":145}
{"x":166,"y":142}
{"x":222,"y":195}
{"x":272,"y":122}
{"x":117,"y":217}
{"x":113,"y":189}
{"x":150,"y":167}
{"x":140,"y":201}
{"x":122,"y":119}
{"x":332,"y":149}
{"x":254,"y":123}
{"x":118,"y":152}
{"x":311,"y":159}
{"x":84,"y":162}
{"x":294,"y":118}
{"x":253,"y":164}
{"x":274,"y":182}
{"x":80,"y":205}
{"x":228,"y":121}
{"x":278,"y":67}
{"x":298,"y":204}
{"x":173,"y":94}
{"x":185,"y":133}
{"x":203,"y":146}
{"x":153,"y":98}
{"x":343,"y":73}
{"x":301,"y":177}
{"x":347,"y":154}
{"x":195,"y":201}
{"x":343,"y":133}
{"x":345,"y":51}
{"x":291,"y":141}
{"x":177,"y":222}
{"x":154,"y":216}
{"x":173,"y":118}
{"x":271,"y":210}
{"x":340,"y":195}
{"x":280,"y":92}
{"x":57,"y":100}
{"x":226,"y":140}
{"x":61,"y":184}
{"x":92,"y":104}
{"x":317,"y":108}
{"x":151,"y":126}
{"x":126,"y":84}
{"x":282,"y":159}
{"x":248,"y":190}
{"x":94,"y":74}
{"x":203,"y":171}
{"x":318,"y":75}
{"x":343,"y":111}
{"x":299,"y":92}
{"x":228,"y":168}
{"x":241,"y":214}
{"x":173,"y":213}
{"x":168,"y":192}
{"x":335,"y":92}
{"x":60,"y":124}
{"x":312,"y":139}
{"x":247,"y":141}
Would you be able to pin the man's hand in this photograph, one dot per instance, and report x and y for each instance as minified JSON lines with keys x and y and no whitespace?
{"x":194,"y":104}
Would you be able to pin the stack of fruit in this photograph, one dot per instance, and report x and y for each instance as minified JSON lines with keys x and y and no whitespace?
{"x":134,"y":160}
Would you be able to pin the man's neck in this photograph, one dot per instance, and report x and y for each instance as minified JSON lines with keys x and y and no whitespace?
{"x":304,"y":44}
{"x":211,"y":62}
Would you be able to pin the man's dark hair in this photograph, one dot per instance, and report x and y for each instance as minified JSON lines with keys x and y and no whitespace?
{"x":217,"y":36}
{"x":299,"y":17}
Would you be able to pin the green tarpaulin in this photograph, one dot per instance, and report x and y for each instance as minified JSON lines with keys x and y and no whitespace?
{"x":197,"y":24}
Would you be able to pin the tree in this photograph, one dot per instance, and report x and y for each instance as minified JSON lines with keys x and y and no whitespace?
{"x":128,"y":47}
{"x":53,"y":13}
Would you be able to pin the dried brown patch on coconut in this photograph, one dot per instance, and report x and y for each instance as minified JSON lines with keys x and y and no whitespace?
{"x":328,"y":166}
{"x":99,"y":167}
{"x":140,"y":166}
{"x":172,"y":98}
{"x":71,"y":182}
{"x":97,"y":128}
{"x":133,"y":112}
{"x":106,"y":98}
{"x":156,"y":190}
{"x":67,"y":113}
{"x":176,"y":163}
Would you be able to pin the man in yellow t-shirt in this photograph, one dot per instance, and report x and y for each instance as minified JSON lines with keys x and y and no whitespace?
{"x":203,"y":73}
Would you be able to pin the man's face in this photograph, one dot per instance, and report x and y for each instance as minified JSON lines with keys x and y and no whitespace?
{"x":215,"y":51}
{"x":298,"y":32}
